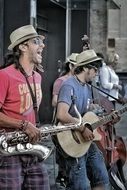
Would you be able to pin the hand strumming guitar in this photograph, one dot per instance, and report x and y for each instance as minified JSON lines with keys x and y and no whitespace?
{"x":86,"y":133}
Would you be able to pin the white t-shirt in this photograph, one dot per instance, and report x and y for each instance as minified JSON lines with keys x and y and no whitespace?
{"x":108,"y":77}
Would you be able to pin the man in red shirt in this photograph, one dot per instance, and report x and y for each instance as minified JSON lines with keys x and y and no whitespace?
{"x":18,"y":81}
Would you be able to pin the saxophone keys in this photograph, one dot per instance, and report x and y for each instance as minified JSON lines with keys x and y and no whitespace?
{"x":20,"y":147}
{"x":29,"y":146}
{"x":10,"y":149}
{"x":4,"y":144}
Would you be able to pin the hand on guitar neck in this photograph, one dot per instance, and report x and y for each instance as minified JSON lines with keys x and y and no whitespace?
{"x":115,"y":118}
{"x":122,"y":100}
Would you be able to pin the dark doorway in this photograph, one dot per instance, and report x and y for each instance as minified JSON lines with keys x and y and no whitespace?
{"x":79,"y":27}
{"x":51,"y":21}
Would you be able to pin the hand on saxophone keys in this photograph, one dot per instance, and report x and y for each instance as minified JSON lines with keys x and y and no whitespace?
{"x":33,"y":132}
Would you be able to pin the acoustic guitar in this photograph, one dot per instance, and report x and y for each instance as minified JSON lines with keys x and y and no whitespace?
{"x":72,"y":142}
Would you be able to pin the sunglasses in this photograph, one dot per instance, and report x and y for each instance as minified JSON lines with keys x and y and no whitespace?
{"x":36,"y":41}
{"x":93,"y":67}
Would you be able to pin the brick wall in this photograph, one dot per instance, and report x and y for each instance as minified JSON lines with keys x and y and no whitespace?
{"x":109,"y":21}
{"x":98,"y":25}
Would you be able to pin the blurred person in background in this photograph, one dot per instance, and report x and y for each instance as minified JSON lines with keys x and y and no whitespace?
{"x":109,"y":80}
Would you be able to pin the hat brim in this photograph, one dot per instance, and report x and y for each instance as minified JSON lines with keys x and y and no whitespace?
{"x":72,"y":62}
{"x":87,"y":62}
{"x":11,"y":46}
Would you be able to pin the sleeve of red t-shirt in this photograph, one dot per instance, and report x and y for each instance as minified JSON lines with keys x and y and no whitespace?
{"x":56,"y":86}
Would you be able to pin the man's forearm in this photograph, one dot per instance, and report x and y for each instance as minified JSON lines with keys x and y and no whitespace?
{"x":8,"y":122}
{"x":67,"y":118}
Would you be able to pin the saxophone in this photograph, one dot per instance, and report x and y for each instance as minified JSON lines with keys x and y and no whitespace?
{"x":17,"y":143}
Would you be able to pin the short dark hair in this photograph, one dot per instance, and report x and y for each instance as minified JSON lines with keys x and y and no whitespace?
{"x":96,"y":64}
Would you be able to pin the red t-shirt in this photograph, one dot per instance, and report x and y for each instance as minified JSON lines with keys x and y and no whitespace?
{"x":58,"y":83}
{"x":15,"y":97}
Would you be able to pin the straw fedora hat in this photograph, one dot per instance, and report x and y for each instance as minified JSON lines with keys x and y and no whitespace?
{"x":87,"y":56}
{"x":21,"y":34}
{"x":72,"y":58}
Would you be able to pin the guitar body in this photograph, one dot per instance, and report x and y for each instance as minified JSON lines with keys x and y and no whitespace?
{"x":72,"y":142}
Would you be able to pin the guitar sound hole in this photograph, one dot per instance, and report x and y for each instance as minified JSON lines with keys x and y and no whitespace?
{"x":88,"y":126}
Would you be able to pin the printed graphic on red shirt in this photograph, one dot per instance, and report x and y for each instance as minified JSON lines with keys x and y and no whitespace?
{"x":25,"y":96}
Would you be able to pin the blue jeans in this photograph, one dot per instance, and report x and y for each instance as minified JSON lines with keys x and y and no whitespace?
{"x":87,"y":171}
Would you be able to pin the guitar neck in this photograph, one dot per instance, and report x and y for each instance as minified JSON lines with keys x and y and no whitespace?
{"x":108,"y":118}
{"x":53,"y":130}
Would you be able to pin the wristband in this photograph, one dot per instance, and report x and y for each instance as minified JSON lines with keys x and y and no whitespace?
{"x":23,"y":125}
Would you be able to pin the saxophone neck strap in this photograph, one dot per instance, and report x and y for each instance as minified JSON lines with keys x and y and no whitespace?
{"x":33,"y":94}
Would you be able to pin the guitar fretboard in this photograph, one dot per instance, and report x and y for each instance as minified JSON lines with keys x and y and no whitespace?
{"x":108,"y":118}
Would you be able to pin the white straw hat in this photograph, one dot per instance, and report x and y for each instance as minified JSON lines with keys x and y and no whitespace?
{"x":87,"y":56}
{"x":72,"y":58}
{"x":21,"y":34}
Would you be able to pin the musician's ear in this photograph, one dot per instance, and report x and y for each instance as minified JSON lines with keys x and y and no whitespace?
{"x":84,"y":69}
{"x":22,"y":47}
{"x":70,"y":66}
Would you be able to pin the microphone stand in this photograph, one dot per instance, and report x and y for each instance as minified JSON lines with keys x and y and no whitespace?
{"x":105,"y":93}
